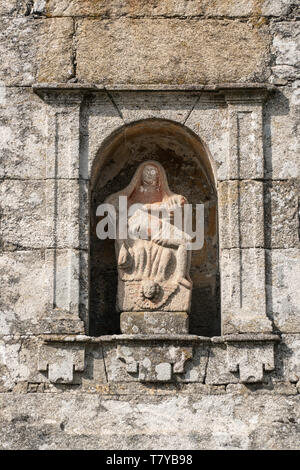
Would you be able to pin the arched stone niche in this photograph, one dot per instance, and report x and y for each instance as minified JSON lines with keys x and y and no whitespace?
{"x":96,"y":139}
{"x":189,"y":170}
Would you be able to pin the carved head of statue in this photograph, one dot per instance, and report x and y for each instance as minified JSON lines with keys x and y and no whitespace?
{"x":150,"y":176}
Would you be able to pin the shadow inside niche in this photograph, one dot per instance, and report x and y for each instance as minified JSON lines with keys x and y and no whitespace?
{"x":186,"y":177}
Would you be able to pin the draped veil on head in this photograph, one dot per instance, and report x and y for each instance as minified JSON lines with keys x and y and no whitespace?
{"x":136,"y":182}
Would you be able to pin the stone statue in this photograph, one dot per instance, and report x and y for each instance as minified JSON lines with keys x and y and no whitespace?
{"x":153,"y":261}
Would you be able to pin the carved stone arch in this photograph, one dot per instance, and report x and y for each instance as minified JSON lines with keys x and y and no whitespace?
{"x":191,"y":171}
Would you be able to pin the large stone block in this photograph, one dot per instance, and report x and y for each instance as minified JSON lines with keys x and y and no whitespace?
{"x":44,"y":214}
{"x":157,"y":361}
{"x":241,"y":214}
{"x":170,"y":51}
{"x":148,"y":105}
{"x":283,"y":294}
{"x":281,"y":214}
{"x":24,"y":60}
{"x":243,"y":301}
{"x":23,"y":135}
{"x":154,"y":323}
{"x":63,"y":421}
{"x":209,"y":120}
{"x":285,"y":50}
{"x":217,"y":369}
{"x":97,"y":112}
{"x":24,"y":291}
{"x":289,"y":352}
{"x":42,"y":292}
{"x":19,"y":361}
{"x":168,"y":8}
{"x":281,"y":129}
{"x":23,"y":214}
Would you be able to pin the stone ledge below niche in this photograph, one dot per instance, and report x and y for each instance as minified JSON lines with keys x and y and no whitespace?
{"x":158,"y":358}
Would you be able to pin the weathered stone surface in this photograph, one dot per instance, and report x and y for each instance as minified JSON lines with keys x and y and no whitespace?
{"x":43,"y":214}
{"x":19,"y":361}
{"x":251,"y":361}
{"x":24,"y":291}
{"x":170,"y":51}
{"x":40,"y":291}
{"x":245,"y":144}
{"x":171,"y":8}
{"x":155,"y":362}
{"x":23,"y":214}
{"x":288,"y":358}
{"x":285,"y":50}
{"x":281,"y":214}
{"x":97,"y":112}
{"x":243,"y":292}
{"x":12,"y":7}
{"x":63,"y":139}
{"x":209,"y":120}
{"x":23,"y":61}
{"x":23,"y":135}
{"x":283,"y":274}
{"x":66,"y":215}
{"x":61,"y":362}
{"x":154,"y":322}
{"x":275,"y":7}
{"x":135,"y":106}
{"x":281,"y":129}
{"x":144,"y":422}
{"x":25,"y":360}
{"x":217,"y":368}
{"x":241,"y":214}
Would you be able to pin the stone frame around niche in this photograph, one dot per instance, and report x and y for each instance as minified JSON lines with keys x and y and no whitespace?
{"x":238,"y":172}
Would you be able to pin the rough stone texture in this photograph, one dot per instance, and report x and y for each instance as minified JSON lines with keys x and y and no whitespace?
{"x":210,"y":122}
{"x":30,"y":290}
{"x":285,"y":47}
{"x":145,"y":422}
{"x":23,"y":135}
{"x":23,"y":61}
{"x":281,"y":128}
{"x":134,"y":106}
{"x":283,"y":289}
{"x":250,"y":361}
{"x":9,"y":7}
{"x":149,"y":363}
{"x":154,"y":322}
{"x":24,"y":291}
{"x":205,"y":49}
{"x":281,"y":214}
{"x":38,"y":214}
{"x":241,"y":214}
{"x":243,"y":292}
{"x":167,"y":8}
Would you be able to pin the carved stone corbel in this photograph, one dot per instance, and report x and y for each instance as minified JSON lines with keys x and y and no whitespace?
{"x":250,"y":356}
{"x":61,"y":362}
{"x":154,"y":363}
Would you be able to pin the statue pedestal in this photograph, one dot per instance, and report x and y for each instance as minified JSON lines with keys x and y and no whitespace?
{"x":133,"y":323}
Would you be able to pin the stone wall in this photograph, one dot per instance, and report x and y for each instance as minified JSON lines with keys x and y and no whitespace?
{"x":183,"y":61}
